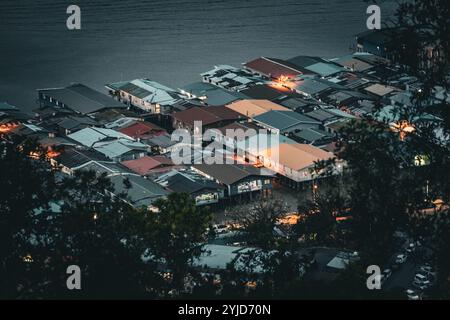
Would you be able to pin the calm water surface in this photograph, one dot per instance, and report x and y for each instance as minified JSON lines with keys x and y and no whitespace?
{"x":166,"y":40}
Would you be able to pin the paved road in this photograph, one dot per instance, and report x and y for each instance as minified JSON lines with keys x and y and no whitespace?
{"x":404,"y":276}
{"x":401,"y":278}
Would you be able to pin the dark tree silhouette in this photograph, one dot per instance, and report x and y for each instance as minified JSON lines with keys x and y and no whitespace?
{"x":176,"y":234}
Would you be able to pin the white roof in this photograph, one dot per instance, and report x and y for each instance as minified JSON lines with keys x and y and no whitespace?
{"x":340,"y":113}
{"x":379,"y":89}
{"x":112,"y":149}
{"x":338,"y":263}
{"x":151,"y":85}
{"x":89,"y":136}
{"x":217,"y":68}
{"x":33,"y":127}
{"x":216,"y":256}
{"x":242,"y":80}
{"x":158,"y":93}
{"x":116,"y":148}
{"x":230,"y":75}
{"x":324,"y":69}
{"x":121,"y":122}
{"x":262,"y":140}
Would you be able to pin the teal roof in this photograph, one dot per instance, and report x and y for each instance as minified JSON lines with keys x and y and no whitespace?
{"x":143,"y":192}
{"x":324,"y":69}
{"x":5,"y":106}
{"x":283,"y":119}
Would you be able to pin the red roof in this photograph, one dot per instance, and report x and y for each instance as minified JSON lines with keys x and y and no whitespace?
{"x":271,"y":68}
{"x":208,"y":115}
{"x":145,"y":164}
{"x":139,"y":129}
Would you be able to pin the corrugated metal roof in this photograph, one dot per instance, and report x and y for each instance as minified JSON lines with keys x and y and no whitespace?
{"x":143,"y":192}
{"x":81,"y":98}
{"x":6,"y":106}
{"x":89,"y":136}
{"x":229,"y":173}
{"x":251,"y":108}
{"x":112,"y":149}
{"x":187,"y":181}
{"x":145,"y":164}
{"x":325,"y":69}
{"x":72,"y":157}
{"x":150,"y":91}
{"x":298,"y":156}
{"x":311,"y":86}
{"x":305,"y":61}
{"x":283,"y":119}
{"x":270,"y":68}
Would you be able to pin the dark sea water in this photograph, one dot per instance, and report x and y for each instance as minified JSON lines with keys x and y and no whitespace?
{"x":170,"y":41}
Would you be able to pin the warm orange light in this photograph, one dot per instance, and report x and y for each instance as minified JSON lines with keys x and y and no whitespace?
{"x":52,"y":154}
{"x":34,"y":155}
{"x":258,"y":165}
{"x":282,"y":83}
{"x":236,"y":159}
{"x":283,"y":79}
{"x":5,"y":128}
{"x":404,"y":128}
{"x":28,"y":258}
{"x":291,"y":219}
{"x":343,"y":218}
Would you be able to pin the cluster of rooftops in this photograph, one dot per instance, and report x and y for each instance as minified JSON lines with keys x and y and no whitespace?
{"x":303,"y":101}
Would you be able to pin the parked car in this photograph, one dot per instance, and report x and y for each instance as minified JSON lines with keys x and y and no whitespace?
{"x":220,"y":228}
{"x":427,"y":270}
{"x":420,"y":278}
{"x":385,"y":275}
{"x":413,"y":294}
{"x":410,"y":248}
{"x":401,"y":258}
{"x":422,"y":285}
{"x":422,"y":281}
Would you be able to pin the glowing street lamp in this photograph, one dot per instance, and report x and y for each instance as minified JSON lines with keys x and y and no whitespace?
{"x":315,"y":188}
{"x":28,"y":258}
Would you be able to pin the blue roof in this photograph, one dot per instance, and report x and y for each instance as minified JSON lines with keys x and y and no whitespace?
{"x":7,"y":106}
{"x":143,"y":192}
{"x":82,"y":99}
{"x":311,"y":86}
{"x":325,"y":69}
